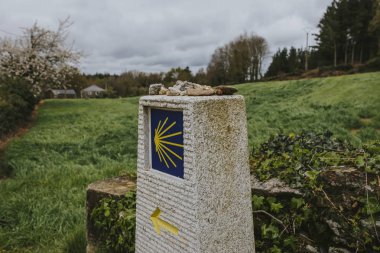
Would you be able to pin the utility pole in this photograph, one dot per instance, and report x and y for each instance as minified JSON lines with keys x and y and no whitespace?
{"x":307,"y":52}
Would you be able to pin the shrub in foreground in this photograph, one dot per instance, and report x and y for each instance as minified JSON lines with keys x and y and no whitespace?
{"x":115,"y":223}
{"x":331,"y":202}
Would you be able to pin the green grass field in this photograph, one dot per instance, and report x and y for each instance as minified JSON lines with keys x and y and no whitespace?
{"x":76,"y":142}
{"x":349,"y":106}
{"x":73,"y":143}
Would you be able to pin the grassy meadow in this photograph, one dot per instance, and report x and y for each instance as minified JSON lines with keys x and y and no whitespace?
{"x":76,"y":142}
{"x":72,"y":143}
{"x":348,"y":106}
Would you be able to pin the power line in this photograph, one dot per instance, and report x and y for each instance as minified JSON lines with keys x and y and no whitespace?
{"x":4,"y":31}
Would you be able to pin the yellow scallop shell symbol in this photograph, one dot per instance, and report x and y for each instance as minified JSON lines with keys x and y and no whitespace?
{"x":165,"y":153}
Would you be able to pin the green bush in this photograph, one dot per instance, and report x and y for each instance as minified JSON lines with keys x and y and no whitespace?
{"x":330,"y":210}
{"x":371,"y":65}
{"x":115,"y":223}
{"x":337,"y":204}
{"x":341,"y":67}
{"x":16,"y":104}
{"x":344,"y":67}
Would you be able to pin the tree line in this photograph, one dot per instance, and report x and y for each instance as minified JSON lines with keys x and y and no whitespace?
{"x":239,"y":61}
{"x":135,"y":83}
{"x":291,"y":60}
{"x":349,"y":35}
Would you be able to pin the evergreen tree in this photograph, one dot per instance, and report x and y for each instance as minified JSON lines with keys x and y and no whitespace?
{"x":292,"y":60}
{"x":274,"y":67}
{"x":345,"y":34}
{"x":374,"y":26}
{"x":329,"y":35}
{"x":280,"y":63}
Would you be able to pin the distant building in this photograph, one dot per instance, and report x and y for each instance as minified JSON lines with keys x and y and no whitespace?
{"x":54,"y":93}
{"x":92,"y":91}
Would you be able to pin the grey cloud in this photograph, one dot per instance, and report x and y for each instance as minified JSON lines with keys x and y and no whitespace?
{"x":146,"y":35}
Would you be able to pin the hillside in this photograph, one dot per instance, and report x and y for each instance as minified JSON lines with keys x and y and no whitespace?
{"x":349,"y":106}
{"x":76,"y":142}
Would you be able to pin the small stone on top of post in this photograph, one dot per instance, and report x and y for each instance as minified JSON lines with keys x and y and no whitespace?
{"x":185,"y":88}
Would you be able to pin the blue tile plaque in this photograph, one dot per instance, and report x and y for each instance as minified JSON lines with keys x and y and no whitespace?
{"x":166,"y":131}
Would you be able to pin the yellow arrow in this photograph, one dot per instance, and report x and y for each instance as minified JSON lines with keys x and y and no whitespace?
{"x":158,"y":223}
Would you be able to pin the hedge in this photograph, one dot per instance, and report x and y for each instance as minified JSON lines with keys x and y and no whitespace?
{"x":16,"y":104}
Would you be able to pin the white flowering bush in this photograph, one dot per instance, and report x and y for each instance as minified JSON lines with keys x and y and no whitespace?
{"x":40,"y":56}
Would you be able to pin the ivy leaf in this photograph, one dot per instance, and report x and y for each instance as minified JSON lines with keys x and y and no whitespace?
{"x":360,"y":161}
{"x":271,"y":200}
{"x":372,"y":206}
{"x":257,"y":201}
{"x":297,"y":202}
{"x":120,"y":239}
{"x":275,"y":249}
{"x":270,"y":232}
{"x":312,"y":175}
{"x":290,"y":242}
{"x":276,"y":207}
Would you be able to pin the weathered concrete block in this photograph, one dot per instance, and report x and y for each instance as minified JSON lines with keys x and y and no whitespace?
{"x":193,"y":184}
{"x":115,"y":188}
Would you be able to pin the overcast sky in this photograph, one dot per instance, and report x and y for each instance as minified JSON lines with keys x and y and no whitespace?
{"x":155,"y":35}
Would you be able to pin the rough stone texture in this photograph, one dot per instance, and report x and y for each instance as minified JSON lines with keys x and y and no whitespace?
{"x":338,"y":250}
{"x":185,"y":88}
{"x":272,"y":187}
{"x":174,"y":92}
{"x":211,"y":206}
{"x":115,"y":188}
{"x":180,"y":88}
{"x":334,"y":226}
{"x":163,"y":91}
{"x":185,"y":85}
{"x":370,"y":225}
{"x":203,"y":91}
{"x":311,"y":249}
{"x":154,"y":89}
{"x":224,"y":90}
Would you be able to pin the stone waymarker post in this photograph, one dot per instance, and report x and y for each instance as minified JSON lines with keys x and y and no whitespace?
{"x":193,"y":184}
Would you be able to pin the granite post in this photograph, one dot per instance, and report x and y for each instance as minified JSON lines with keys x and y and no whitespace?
{"x":193,"y":182}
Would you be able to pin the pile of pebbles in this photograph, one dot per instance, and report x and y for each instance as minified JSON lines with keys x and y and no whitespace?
{"x":185,"y":88}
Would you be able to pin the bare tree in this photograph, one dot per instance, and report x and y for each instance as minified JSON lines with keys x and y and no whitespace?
{"x":218,"y":68}
{"x":40,"y":56}
{"x":239,"y":61}
{"x":258,"y":49}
